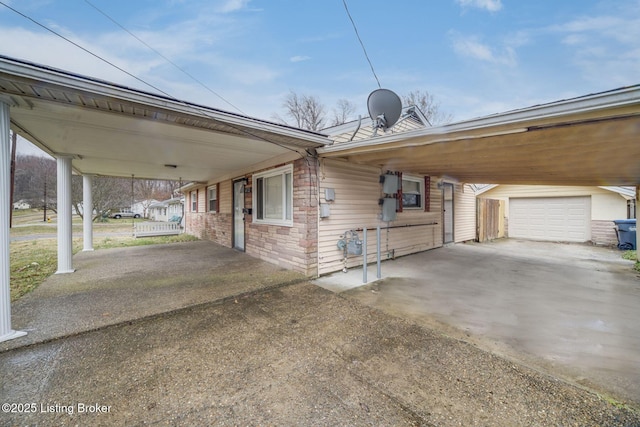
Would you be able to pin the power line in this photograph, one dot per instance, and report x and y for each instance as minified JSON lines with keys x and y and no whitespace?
{"x":344,"y":2}
{"x":163,"y":57}
{"x":190,"y":106}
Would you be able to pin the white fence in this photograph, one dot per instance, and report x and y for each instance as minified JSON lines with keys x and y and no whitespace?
{"x":146,"y":229}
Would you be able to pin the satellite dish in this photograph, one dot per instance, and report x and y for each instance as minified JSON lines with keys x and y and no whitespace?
{"x":384,"y":108}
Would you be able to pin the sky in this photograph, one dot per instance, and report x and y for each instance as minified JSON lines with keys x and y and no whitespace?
{"x":476,"y":57}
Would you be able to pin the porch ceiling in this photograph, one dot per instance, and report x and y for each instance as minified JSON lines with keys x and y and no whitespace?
{"x":592,"y":140}
{"x":116,"y":131}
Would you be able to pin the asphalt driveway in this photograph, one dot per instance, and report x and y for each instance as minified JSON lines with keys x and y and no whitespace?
{"x":570,"y":310}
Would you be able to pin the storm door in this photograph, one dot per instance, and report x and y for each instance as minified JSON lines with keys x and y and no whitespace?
{"x":238,"y":215}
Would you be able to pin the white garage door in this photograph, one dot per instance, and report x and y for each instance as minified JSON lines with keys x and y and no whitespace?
{"x":562,"y":219}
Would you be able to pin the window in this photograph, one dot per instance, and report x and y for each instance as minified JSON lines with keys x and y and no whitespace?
{"x":194,"y":201}
{"x":212,"y":194}
{"x":412,"y":193}
{"x":273,"y":201}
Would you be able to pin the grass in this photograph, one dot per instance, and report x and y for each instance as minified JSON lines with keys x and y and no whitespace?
{"x":632,"y":256}
{"x":32,"y":261}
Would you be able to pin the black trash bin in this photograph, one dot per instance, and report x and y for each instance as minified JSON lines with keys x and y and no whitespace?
{"x":626,"y":230}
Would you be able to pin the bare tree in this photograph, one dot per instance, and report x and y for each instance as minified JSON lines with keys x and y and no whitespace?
{"x":35,"y":181}
{"x":147,"y":190}
{"x":428,"y":105}
{"x":107,"y":193}
{"x":306,"y":111}
{"x":343,"y":112}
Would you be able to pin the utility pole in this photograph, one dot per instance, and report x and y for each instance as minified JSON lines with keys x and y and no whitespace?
{"x":44,"y":219}
{"x":14,"y":139}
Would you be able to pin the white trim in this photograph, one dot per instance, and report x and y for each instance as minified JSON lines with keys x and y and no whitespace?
{"x":281,"y":171}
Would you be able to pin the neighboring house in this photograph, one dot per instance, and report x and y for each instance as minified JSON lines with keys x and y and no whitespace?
{"x":21,"y":205}
{"x":563,"y":213}
{"x":167,"y":210}
{"x":294,"y":211}
{"x":141,"y":207}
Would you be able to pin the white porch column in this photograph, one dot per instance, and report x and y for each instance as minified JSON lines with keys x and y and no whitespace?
{"x":87,"y":214}
{"x":65,"y":236}
{"x":6,"y":333}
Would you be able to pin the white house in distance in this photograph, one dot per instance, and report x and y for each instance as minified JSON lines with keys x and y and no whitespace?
{"x":167,"y":210}
{"x":563,"y":213}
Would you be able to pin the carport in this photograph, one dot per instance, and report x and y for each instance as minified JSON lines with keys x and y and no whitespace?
{"x":93,"y":127}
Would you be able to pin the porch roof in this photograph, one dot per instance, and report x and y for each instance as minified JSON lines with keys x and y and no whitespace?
{"x":590,"y":140}
{"x":117,"y":131}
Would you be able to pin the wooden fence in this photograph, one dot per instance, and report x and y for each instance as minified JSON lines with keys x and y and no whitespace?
{"x":490,"y":219}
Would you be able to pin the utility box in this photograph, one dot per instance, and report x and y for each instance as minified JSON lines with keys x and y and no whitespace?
{"x":325,"y":210}
{"x":390,"y":183}
{"x":329,"y":194}
{"x":389,"y":209}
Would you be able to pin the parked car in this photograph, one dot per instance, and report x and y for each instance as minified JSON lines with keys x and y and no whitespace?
{"x":123,"y":213}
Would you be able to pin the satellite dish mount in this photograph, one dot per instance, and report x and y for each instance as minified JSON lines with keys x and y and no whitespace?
{"x":384,"y":109}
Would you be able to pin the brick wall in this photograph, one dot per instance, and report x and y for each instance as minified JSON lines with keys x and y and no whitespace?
{"x":294,"y":247}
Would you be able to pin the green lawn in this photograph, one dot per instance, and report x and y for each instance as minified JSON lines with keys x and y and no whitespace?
{"x":32,"y":261}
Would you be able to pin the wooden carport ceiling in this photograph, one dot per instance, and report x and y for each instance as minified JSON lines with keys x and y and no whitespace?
{"x":593,"y":140}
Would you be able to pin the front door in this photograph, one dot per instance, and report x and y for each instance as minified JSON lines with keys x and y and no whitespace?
{"x":238,"y":215}
{"x":447,"y":198}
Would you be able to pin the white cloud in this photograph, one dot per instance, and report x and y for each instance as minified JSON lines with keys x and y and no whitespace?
{"x":471,"y":47}
{"x":490,"y":5}
{"x":233,"y":5}
{"x":299,"y":58}
{"x":604,"y":47}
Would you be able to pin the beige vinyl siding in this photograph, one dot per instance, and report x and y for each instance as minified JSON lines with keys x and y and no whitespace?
{"x":357,"y":191}
{"x":224,"y":198}
{"x":202,"y":199}
{"x":464,"y":205}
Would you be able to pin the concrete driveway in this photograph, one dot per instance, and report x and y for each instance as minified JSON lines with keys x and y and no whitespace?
{"x":198,"y":334}
{"x":569,"y":310}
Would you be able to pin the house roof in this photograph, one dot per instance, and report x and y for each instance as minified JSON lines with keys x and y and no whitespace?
{"x":114,"y":130}
{"x":411,"y":118}
{"x":589,"y":140}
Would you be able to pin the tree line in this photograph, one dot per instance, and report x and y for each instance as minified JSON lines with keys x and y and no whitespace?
{"x":35,"y":183}
{"x":308,"y":111}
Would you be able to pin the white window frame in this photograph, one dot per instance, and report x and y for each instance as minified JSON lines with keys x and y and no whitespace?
{"x":213,"y":188}
{"x":193,"y":197}
{"x":420,"y":182}
{"x":287,"y":196}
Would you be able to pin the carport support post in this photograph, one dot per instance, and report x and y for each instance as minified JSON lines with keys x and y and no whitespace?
{"x":636,"y":212}
{"x":6,"y":333}
{"x":87,"y":212}
{"x":65,"y":241}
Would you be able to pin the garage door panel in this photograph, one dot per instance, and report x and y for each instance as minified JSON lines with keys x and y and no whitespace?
{"x":566,"y":219}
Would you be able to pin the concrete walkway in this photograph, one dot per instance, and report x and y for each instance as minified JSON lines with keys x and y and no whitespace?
{"x":112,"y":286}
{"x":568,"y":309}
